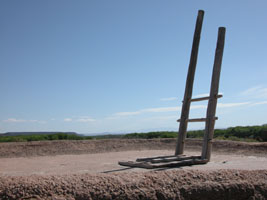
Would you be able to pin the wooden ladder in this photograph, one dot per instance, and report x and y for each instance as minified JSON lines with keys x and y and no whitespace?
{"x":212,"y":98}
{"x":178,"y":159}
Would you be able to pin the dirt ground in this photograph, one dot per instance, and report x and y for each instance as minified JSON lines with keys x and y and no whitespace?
{"x":90,"y":170}
{"x":108,"y":163}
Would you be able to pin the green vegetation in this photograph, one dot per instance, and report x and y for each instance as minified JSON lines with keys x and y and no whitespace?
{"x":109,"y":136}
{"x":238,"y":133}
{"x":150,"y":135}
{"x":28,"y":138}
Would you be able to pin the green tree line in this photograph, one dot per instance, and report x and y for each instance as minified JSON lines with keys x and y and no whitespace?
{"x":57,"y":136}
{"x":241,"y":133}
{"x":238,"y":133}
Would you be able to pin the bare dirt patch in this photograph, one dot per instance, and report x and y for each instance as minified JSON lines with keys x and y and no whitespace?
{"x":49,"y":148}
{"x":108,"y":163}
{"x":89,"y":170}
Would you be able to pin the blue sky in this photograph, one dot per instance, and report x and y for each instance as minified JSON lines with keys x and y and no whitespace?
{"x":120,"y":66}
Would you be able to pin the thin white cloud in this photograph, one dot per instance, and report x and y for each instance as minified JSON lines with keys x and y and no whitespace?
{"x":255,"y":92}
{"x":86,"y":119}
{"x":259,"y":103}
{"x":148,"y":110}
{"x":169,"y":99}
{"x":67,"y":120}
{"x":229,"y":105}
{"x":84,"y":116}
{"x":128,"y":113}
{"x":174,"y":109}
{"x":154,"y":110}
{"x":14,"y":120}
{"x":161,"y":109}
{"x":79,"y":119}
{"x":251,"y":90}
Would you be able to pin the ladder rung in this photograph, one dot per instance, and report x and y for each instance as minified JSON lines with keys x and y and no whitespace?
{"x":205,"y":98}
{"x":197,"y":119}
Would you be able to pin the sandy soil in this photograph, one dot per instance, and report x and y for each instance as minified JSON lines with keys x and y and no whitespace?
{"x":108,"y":163}
{"x":89,"y":170}
{"x":47,"y":148}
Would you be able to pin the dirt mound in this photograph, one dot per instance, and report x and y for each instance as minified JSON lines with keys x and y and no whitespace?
{"x":46,"y":148}
{"x":182,"y":184}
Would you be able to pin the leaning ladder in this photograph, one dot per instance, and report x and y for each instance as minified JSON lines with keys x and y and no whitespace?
{"x":179,"y":159}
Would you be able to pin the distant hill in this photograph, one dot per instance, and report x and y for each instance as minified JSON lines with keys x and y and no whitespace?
{"x":35,"y":133}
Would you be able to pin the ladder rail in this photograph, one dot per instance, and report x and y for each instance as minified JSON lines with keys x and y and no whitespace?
{"x":214,"y":89}
{"x":189,"y":85}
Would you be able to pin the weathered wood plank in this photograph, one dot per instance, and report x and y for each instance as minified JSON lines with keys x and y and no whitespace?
{"x":214,"y":88}
{"x":204,"y":98}
{"x":182,"y":163}
{"x":164,"y":160}
{"x":189,"y":85}
{"x":197,"y":119}
{"x":157,"y":157}
{"x":136,"y":164}
{"x":147,"y":165}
